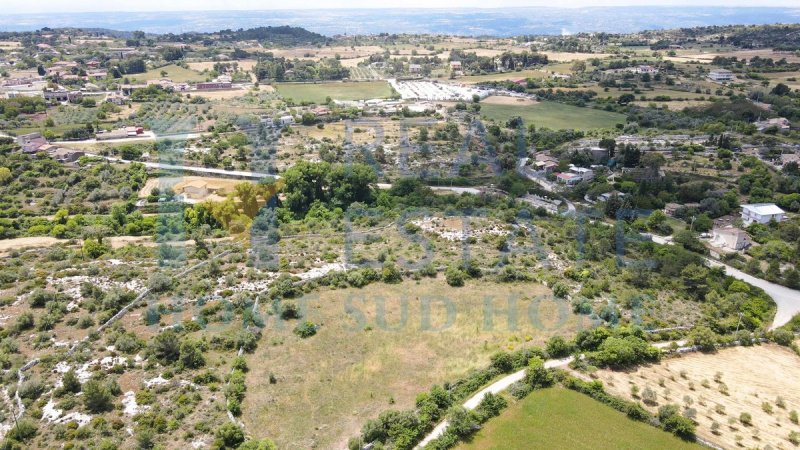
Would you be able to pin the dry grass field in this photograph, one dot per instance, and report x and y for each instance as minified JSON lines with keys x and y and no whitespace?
{"x":674,"y":106}
{"x":567,"y":56}
{"x":747,"y":54}
{"x":755,"y":379}
{"x":326,"y":52}
{"x":504,"y":100}
{"x":371,"y":353}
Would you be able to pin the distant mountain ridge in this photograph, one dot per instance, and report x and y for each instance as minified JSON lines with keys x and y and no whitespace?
{"x":472,"y":22}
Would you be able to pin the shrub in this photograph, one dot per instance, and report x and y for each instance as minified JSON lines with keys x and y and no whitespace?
{"x":40,"y":298}
{"x":558,"y":347}
{"x":22,"y":430}
{"x":454,"y":276}
{"x":746,"y":419}
{"x":503,"y":362}
{"x":191,"y":355}
{"x":166,"y":347}
{"x":159,"y":282}
{"x":391,"y":274}
{"x":782,"y":337}
{"x":675,"y":423}
{"x":649,"y":396}
{"x":305,"y":329}
{"x":560,"y":290}
{"x":289,"y":310}
{"x":31,"y":389}
{"x":230,"y":435}
{"x":70,"y":382}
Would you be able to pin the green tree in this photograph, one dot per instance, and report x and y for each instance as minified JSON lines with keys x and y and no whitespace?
{"x":5,"y":174}
{"x":97,"y":396}
{"x":704,"y":338}
{"x":166,"y":347}
{"x":191,"y":355}
{"x":537,"y":376}
{"x":460,"y":421}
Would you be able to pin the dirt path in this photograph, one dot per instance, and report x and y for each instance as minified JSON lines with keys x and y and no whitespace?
{"x":494,"y":388}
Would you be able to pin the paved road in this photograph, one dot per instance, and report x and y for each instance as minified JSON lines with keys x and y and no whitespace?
{"x":193,"y":169}
{"x":147,"y":136}
{"x":495,"y":388}
{"x":456,"y":189}
{"x":546,"y":185}
{"x":788,"y":300}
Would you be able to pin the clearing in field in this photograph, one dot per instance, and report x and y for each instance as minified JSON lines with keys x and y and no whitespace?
{"x":515,"y":75}
{"x":327,"y":52}
{"x":753,"y":377}
{"x":318,"y":92}
{"x":244,"y":64}
{"x":175,"y":73}
{"x":554,"y":115}
{"x":506,"y":100}
{"x":567,"y":56}
{"x":559,"y":418}
{"x":372,"y":353}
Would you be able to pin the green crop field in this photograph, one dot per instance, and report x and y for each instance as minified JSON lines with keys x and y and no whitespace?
{"x":338,"y":91}
{"x":558,"y":418}
{"x":554,"y":115}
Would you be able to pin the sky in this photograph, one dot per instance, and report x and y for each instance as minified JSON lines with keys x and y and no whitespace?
{"x":51,"y":6}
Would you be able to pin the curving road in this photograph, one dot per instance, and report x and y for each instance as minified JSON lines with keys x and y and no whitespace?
{"x":494,"y":388}
{"x":787,"y":300}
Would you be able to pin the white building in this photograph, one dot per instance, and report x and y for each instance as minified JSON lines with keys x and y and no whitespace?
{"x":762,"y":213}
{"x":730,"y":238}
{"x":584,"y":173}
{"x":720,"y":75}
{"x":645,"y":69}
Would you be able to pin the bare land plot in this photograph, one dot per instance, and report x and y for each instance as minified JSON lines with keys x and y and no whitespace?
{"x":326,"y":52}
{"x":674,"y":106}
{"x":568,"y":56}
{"x":377,"y":348}
{"x":244,"y":64}
{"x":747,"y":54}
{"x":222,"y":94}
{"x":753,"y":376}
{"x":175,"y":73}
{"x":505,"y":100}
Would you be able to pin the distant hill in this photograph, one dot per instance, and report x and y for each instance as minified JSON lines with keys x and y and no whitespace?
{"x":282,"y":35}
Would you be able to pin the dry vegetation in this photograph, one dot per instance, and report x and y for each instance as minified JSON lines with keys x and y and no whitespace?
{"x":722,"y":386}
{"x":358,"y":365}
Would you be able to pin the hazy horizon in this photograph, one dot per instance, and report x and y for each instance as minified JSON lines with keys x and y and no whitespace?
{"x":466,"y":21}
